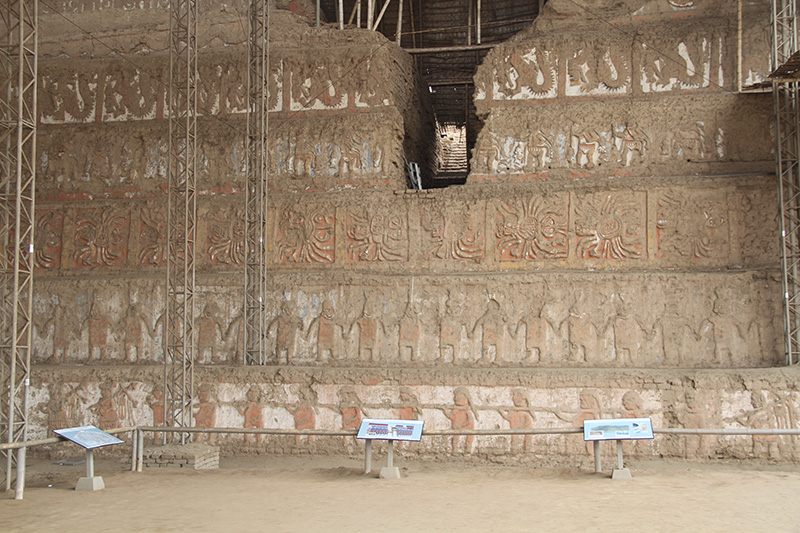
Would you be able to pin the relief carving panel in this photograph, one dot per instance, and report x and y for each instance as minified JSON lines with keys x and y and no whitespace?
{"x":532,"y":229}
{"x":454,"y":231}
{"x":101,"y":237}
{"x":305,"y":235}
{"x":610,"y":226}
{"x":376,"y":235}
{"x":693,"y":225}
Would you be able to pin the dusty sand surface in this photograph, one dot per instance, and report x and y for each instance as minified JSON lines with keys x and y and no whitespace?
{"x":332,"y":494}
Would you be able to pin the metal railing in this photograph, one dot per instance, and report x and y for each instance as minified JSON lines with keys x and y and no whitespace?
{"x":137,"y":442}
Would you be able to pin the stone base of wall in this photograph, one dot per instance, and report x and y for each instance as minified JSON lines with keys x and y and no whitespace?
{"x":194,"y":456}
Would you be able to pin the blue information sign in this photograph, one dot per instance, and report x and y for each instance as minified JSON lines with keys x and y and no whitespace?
{"x":381,"y":429}
{"x":88,"y":437}
{"x":618,"y":429}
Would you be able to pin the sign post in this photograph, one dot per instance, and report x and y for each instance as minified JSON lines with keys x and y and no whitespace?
{"x":616,"y":429}
{"x":391,"y":430}
{"x":89,"y":438}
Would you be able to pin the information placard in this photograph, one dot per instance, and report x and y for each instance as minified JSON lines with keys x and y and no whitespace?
{"x":88,"y":437}
{"x":618,"y":429}
{"x":381,"y":429}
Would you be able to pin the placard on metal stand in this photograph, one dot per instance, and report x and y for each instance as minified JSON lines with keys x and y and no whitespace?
{"x":89,"y":438}
{"x":617,"y":429}
{"x":391,"y":430}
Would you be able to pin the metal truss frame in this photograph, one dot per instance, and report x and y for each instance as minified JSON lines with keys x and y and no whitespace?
{"x":18,"y":118}
{"x":786,"y":99}
{"x":179,"y":335}
{"x":255,"y":332}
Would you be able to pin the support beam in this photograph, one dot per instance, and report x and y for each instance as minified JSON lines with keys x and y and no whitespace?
{"x":399,"y":33}
{"x":786,"y":101}
{"x":179,"y":337}
{"x":256,"y":191}
{"x":18,"y":118}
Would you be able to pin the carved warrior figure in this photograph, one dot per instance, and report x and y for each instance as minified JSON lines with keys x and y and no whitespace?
{"x":304,"y":413}
{"x":629,"y":141}
{"x":520,"y":417}
{"x":461,"y":416}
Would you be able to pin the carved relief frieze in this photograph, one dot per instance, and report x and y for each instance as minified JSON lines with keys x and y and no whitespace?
{"x":376,"y":235}
{"x":690,"y":61}
{"x":223,"y":88}
{"x":525,"y":73}
{"x":532,"y":229}
{"x":692,"y":226}
{"x":341,"y":149}
{"x":49,"y":237}
{"x":225,"y":239}
{"x":68,"y":97}
{"x":454,"y":231}
{"x":531,"y":152}
{"x":610,"y":226}
{"x":319,"y":84}
{"x":594,"y":69}
{"x":305,"y":235}
{"x":131,"y":94}
{"x":152,"y":237}
{"x":101,"y":237}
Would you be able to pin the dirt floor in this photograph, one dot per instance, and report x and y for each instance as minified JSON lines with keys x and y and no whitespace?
{"x":275,"y":493}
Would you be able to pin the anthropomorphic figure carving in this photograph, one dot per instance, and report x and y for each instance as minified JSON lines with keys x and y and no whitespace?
{"x":520,"y":417}
{"x":462,"y":417}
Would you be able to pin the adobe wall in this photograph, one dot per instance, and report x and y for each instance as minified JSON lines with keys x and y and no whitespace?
{"x":613,"y":253}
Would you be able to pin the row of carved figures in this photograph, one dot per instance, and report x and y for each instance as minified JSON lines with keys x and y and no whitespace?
{"x":460,"y":408}
{"x":606,"y":326}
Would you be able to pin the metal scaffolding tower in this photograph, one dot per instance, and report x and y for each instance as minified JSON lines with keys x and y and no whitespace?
{"x":785,"y":66}
{"x":179,"y":335}
{"x":18,"y":117}
{"x":256,"y":192}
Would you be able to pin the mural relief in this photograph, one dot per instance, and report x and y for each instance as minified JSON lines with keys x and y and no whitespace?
{"x":68,"y":97}
{"x":610,"y":226}
{"x":680,"y":404}
{"x":131,"y":95}
{"x":225,"y":239}
{"x":343,"y":150}
{"x":376,"y":236}
{"x":693,"y":225}
{"x":611,"y":323}
{"x":525,"y":73}
{"x":598,"y":70}
{"x":152,"y":237}
{"x":101,"y":238}
{"x":318,"y":85}
{"x":454,"y":232}
{"x":305,"y":237}
{"x":532,"y":229}
{"x":48,"y":239}
{"x":692,"y":62}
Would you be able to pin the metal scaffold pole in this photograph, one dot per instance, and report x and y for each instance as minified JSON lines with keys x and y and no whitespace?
{"x":787,"y":152}
{"x":18,"y":117}
{"x":179,"y":338}
{"x":257,"y":181}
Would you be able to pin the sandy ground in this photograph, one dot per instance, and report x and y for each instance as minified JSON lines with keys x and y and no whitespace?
{"x":332,"y":494}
